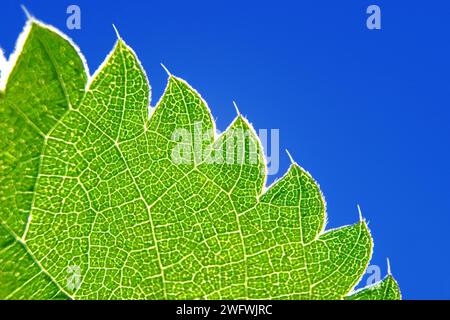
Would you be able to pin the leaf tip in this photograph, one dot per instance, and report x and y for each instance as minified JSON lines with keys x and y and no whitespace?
{"x":236,"y":108}
{"x":2,"y":58}
{"x":166,"y":70}
{"x":117,"y":32}
{"x":388,"y":266}
{"x":361,"y":218}
{"x":290,"y":157}
{"x":27,"y":13}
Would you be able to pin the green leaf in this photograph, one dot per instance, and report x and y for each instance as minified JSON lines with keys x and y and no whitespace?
{"x":150,"y":207}
{"x":48,"y":76}
{"x":387,"y":289}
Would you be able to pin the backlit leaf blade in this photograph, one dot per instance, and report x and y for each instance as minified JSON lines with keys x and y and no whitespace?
{"x":387,"y":289}
{"x":48,"y":77}
{"x":160,"y":208}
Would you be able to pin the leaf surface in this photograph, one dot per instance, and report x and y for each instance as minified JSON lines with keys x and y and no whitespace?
{"x":47,"y":77}
{"x":387,"y":289}
{"x":90,"y":180}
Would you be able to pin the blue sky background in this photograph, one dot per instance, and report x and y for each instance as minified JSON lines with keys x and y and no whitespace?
{"x":365,"y":111}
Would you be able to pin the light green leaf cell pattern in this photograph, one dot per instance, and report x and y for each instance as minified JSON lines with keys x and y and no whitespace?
{"x":384,"y":290}
{"x":88,"y":180}
{"x":47,"y":78}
